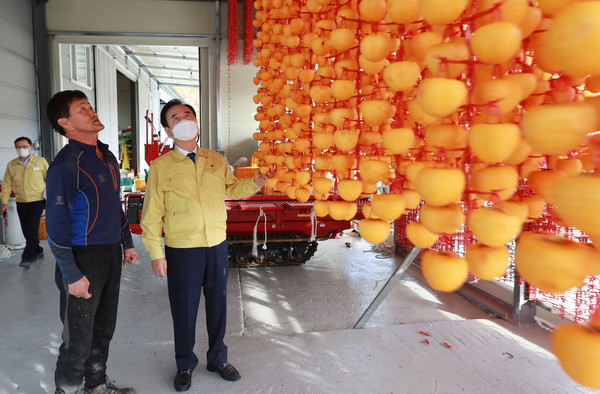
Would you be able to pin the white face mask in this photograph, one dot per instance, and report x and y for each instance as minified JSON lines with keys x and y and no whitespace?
{"x":185,"y":130}
{"x":23,"y":152}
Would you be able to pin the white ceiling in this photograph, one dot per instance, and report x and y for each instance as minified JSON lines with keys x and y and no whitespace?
{"x":168,"y":65}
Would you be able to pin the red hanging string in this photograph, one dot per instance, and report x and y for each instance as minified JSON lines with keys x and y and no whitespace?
{"x":232,"y":31}
{"x":248,"y":32}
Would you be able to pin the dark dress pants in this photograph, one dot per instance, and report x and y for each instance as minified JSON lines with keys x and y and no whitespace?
{"x":190,"y":271}
{"x":88,"y":324}
{"x":30,"y":214}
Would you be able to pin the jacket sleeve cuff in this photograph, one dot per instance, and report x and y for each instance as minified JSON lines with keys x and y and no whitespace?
{"x":74,"y":278}
{"x":66,"y":262}
{"x":70,"y":272}
{"x":154,"y":249}
{"x":252,"y":187}
{"x":126,"y":239}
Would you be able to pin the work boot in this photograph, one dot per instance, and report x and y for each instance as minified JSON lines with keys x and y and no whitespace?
{"x":25,"y":263}
{"x":71,"y":390}
{"x":109,"y":388}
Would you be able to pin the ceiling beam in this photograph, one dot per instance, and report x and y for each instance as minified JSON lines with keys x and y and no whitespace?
{"x":187,"y":85}
{"x":158,"y":56}
{"x":184,"y":80}
{"x":193,"y":70}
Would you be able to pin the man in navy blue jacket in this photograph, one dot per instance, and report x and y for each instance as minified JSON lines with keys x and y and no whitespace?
{"x":86,"y":229}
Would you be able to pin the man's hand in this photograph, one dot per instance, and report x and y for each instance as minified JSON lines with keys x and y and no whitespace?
{"x":259,"y":179}
{"x":159,"y":266}
{"x":80,"y":288}
{"x":4,"y":207}
{"x":130,"y":256}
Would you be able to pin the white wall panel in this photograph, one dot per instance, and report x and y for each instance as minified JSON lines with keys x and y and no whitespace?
{"x":106,"y":99}
{"x":66,"y":83}
{"x":16,"y":39}
{"x":17,"y":71}
{"x":21,"y":104}
{"x":13,"y":10}
{"x":18,"y":91}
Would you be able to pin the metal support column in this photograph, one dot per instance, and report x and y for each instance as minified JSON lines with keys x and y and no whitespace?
{"x":523,"y":308}
{"x":387,"y":287}
{"x":42,"y":69}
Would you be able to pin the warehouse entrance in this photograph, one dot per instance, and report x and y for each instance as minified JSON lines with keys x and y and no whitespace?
{"x":127,"y":122}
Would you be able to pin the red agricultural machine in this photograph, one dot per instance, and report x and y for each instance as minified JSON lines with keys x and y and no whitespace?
{"x":262,"y":230}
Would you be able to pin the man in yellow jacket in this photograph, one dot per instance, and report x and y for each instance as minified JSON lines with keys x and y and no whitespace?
{"x":26,"y":177}
{"x":185,"y":197}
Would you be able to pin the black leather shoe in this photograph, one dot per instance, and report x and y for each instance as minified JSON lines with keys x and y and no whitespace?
{"x":226,"y":370}
{"x":183,"y":379}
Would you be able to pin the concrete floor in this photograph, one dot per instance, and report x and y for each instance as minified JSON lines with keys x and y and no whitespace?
{"x":290,"y":331}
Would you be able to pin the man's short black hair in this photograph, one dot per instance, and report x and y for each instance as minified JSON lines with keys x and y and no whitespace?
{"x":23,"y":139}
{"x":58,"y":107}
{"x":168,"y":106}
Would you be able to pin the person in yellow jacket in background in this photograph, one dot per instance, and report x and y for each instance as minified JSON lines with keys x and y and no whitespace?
{"x":185,"y":196}
{"x":26,"y":177}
